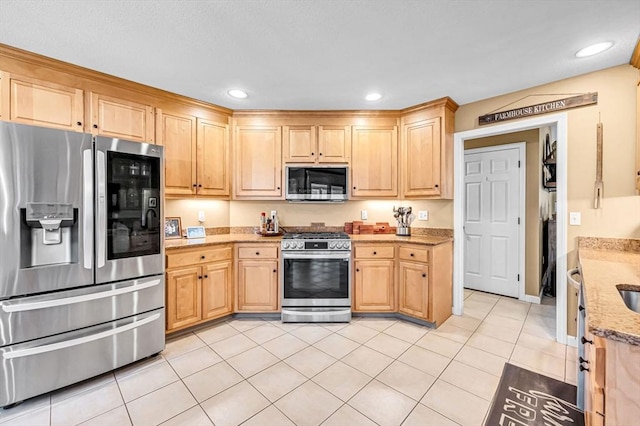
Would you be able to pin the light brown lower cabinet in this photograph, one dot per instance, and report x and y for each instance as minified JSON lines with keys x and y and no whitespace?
{"x":199,"y":286}
{"x":413,"y":289}
{"x":257,"y":278}
{"x":374,"y":277}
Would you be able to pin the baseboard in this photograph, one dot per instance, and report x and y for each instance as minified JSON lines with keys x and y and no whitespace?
{"x":572,"y":341}
{"x":533,"y":299}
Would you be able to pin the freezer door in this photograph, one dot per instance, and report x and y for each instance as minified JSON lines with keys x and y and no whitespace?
{"x":129,"y":217}
{"x":28,"y":318}
{"x":46,"y":210}
{"x":40,"y":366}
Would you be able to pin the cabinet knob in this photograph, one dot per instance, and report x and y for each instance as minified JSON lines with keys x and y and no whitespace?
{"x":257,"y":253}
{"x":202,"y":257}
{"x":194,"y":185}
{"x":312,"y":153}
{"x":354,"y":187}
{"x":278,"y":188}
{"x":585,"y":341}
{"x":199,"y":186}
{"x":79,"y":123}
{"x":583,"y":368}
{"x":275,"y":270}
{"x":206,"y":276}
{"x":424,"y":275}
{"x":436,"y":185}
{"x":375,"y":252}
{"x":357,"y":270}
{"x":411,"y":254}
{"x":95,"y":126}
{"x":586,"y":361}
{"x":199,"y":277}
{"x":320,"y":154}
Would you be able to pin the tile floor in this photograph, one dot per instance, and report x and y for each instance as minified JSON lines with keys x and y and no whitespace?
{"x":372,"y":371}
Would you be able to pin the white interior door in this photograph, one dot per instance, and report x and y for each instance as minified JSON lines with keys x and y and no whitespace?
{"x":492,"y":217}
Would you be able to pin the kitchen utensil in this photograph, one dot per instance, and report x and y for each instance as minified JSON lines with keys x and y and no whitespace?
{"x":599,"y":186}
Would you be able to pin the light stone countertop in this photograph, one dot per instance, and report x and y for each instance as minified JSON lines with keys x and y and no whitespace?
{"x":209,"y":240}
{"x":602,"y":270}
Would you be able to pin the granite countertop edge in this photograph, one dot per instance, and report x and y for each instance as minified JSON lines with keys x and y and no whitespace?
{"x":210,"y":240}
{"x":603,"y":271}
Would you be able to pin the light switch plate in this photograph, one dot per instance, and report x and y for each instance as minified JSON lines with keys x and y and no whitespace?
{"x":363,"y":215}
{"x":201,"y":216}
{"x":575,"y":218}
{"x":423,"y":215}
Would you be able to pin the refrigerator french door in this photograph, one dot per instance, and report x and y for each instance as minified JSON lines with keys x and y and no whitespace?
{"x":128,"y":232}
{"x":81,"y":274}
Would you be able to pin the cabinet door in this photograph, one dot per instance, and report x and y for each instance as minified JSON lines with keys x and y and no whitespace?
{"x":212,"y":168}
{"x":334,"y":144}
{"x":4,"y":95}
{"x":184,"y":297}
{"x":299,"y":144}
{"x":413,"y":291}
{"x":119,"y":118}
{"x":374,"y":160}
{"x":258,"y":162}
{"x":258,"y":285}
{"x":177,"y":133}
{"x":374,"y":290}
{"x":42,"y":103}
{"x":216,"y":290}
{"x":421,"y":158}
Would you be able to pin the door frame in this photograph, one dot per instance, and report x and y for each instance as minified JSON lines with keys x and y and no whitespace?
{"x":522,"y":157}
{"x":560,"y":122}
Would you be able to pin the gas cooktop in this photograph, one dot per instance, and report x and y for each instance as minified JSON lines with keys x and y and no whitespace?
{"x":316,"y":236}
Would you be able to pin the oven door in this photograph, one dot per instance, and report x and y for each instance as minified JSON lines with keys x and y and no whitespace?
{"x":316,"y":278}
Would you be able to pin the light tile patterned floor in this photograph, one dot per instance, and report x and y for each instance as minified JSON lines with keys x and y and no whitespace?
{"x":372,"y":371}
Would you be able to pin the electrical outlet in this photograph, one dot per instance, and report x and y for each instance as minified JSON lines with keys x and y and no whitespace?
{"x":423,"y":215}
{"x":274,"y":213}
{"x":201,"y":216}
{"x":363,"y":215}
{"x":575,"y":218}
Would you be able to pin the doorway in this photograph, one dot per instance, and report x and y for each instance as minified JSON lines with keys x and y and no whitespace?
{"x":494,"y":218}
{"x":559,"y":123}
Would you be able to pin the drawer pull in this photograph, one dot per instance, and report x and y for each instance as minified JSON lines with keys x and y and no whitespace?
{"x":411,"y":255}
{"x":202,"y":257}
{"x":584,"y":360}
{"x":257,"y":253}
{"x":583,"y":368}
{"x":375,"y":252}
{"x":585,"y":341}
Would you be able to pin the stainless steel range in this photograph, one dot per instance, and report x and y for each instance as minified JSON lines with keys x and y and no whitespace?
{"x":316,"y":277}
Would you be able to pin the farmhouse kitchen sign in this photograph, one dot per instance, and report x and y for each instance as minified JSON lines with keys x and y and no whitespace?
{"x":543,"y":108}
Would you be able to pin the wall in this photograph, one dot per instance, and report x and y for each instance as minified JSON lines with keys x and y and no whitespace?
{"x":616,"y":108}
{"x":532,"y":207}
{"x":216,"y":212}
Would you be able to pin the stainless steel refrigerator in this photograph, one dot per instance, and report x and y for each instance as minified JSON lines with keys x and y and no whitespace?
{"x":81,"y":257}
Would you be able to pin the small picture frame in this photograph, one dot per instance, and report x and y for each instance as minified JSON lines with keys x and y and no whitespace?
{"x":195,"y":232}
{"x":172,"y":228}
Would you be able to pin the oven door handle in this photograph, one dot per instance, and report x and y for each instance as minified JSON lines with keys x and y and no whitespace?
{"x":317,"y":254}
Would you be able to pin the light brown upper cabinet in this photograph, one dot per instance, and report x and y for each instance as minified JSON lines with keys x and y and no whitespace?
{"x":119,"y":118}
{"x":426,"y":150}
{"x":196,"y":155}
{"x":374,"y":161}
{"x":258,"y":162}
{"x":4,"y":95}
{"x":317,"y":144}
{"x":42,"y":103}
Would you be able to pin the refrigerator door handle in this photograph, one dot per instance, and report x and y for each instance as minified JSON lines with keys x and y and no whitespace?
{"x":87,"y":208}
{"x":80,"y":340}
{"x":22,"y":307}
{"x":101,"y":228}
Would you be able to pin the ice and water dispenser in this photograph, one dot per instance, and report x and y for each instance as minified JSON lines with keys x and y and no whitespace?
{"x":49,"y":234}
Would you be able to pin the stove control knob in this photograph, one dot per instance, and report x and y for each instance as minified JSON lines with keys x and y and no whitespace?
{"x":300,"y":245}
{"x":332,"y":245}
{"x":285,"y":245}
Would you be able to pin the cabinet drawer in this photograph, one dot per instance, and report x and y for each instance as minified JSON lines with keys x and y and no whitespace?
{"x":414,"y":253}
{"x":196,"y":257}
{"x":258,"y":252}
{"x":374,"y":252}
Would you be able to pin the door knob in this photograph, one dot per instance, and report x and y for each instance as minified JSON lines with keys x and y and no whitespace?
{"x":585,"y":341}
{"x":583,"y":368}
{"x":584,"y":360}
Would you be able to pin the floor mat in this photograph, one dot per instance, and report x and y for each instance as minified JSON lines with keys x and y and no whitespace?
{"x":527,"y":398}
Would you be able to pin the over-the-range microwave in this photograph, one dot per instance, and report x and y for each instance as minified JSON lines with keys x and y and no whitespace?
{"x":317,"y":183}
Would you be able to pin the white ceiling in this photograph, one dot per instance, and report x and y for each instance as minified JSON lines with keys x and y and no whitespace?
{"x":327,"y":54}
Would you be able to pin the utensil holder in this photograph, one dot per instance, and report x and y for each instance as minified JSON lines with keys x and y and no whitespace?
{"x":403,"y":231}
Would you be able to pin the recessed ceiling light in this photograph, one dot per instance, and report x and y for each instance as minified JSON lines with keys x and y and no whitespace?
{"x":594,"y":49}
{"x":373,"y":96}
{"x":237,"y":93}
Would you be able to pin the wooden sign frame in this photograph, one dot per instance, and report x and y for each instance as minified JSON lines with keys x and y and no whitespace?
{"x":537,"y":109}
